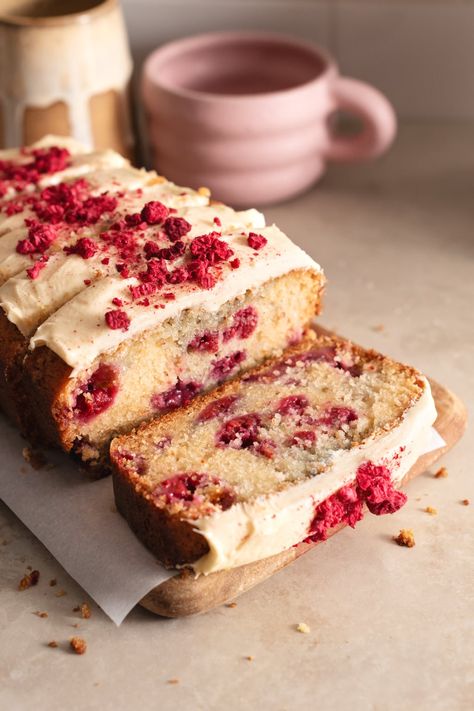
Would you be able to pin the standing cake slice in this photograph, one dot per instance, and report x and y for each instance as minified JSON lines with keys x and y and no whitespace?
{"x":279,"y":456}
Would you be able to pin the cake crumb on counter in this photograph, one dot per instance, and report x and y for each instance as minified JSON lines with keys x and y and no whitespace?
{"x":174,"y":680}
{"x":231,"y":604}
{"x":303,"y":628}
{"x":53,"y":644}
{"x":442,"y":473}
{"x":78,"y":645}
{"x":34,"y":457}
{"x":465,"y":502}
{"x":29,"y":580}
{"x":405,"y":538}
{"x":40,"y":613}
{"x":431,"y":510}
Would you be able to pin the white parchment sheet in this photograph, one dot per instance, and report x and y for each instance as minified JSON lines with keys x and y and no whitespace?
{"x":77,"y":522}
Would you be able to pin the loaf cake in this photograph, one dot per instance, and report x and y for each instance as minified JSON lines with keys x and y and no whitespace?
{"x":280,"y":455}
{"x":123,"y":295}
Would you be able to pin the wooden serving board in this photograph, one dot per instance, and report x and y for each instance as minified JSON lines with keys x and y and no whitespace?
{"x":185,"y":595}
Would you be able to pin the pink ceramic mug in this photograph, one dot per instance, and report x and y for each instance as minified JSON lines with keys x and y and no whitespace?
{"x":247,"y":114}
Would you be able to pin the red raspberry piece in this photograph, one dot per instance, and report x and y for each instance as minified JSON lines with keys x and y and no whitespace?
{"x":117,"y":319}
{"x":244,"y":324}
{"x":154,"y":212}
{"x":256,"y":241}
{"x":217,"y":407}
{"x":117,"y":302}
{"x":235,"y":263}
{"x":138,"y":292}
{"x":375,"y":487}
{"x":176,"y":227}
{"x":292,"y":405}
{"x":210,"y":248}
{"x":266,"y":448}
{"x":156,"y":272}
{"x":97,"y":394}
{"x":169,"y":253}
{"x":13,"y":208}
{"x":177,"y":396}
{"x":208,"y":341}
{"x":198,"y":271}
{"x":133,"y":220}
{"x":217,"y":221}
{"x":224,"y":366}
{"x":240,"y":432}
{"x":33,"y":272}
{"x":178,"y":276}
{"x":84,"y":247}
{"x":40,"y":238}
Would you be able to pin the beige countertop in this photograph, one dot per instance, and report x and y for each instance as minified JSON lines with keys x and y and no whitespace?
{"x":390,"y":627}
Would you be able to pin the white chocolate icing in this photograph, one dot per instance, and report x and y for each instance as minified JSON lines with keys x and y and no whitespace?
{"x":247,"y":532}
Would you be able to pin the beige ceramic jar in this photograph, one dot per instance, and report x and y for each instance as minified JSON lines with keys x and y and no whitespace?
{"x":65,"y":68}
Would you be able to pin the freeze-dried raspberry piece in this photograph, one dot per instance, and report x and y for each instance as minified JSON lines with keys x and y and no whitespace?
{"x":34,"y":271}
{"x":224,"y":366}
{"x":180,"y":394}
{"x":256,"y":241}
{"x":156,"y":272}
{"x":84,"y":247}
{"x":208,"y":341}
{"x":375,"y":486}
{"x":134,"y":219}
{"x":154,"y":212}
{"x":244,"y":324}
{"x":195,"y":488}
{"x":90,"y":210}
{"x":178,"y":276}
{"x":198,"y":272}
{"x":176,"y":227}
{"x":40,"y":238}
{"x":217,"y":407}
{"x":117,"y":319}
{"x":240,"y":432}
{"x":210,"y":248}
{"x":342,"y":507}
{"x":138,"y":292}
{"x":292,"y":405}
{"x":168,"y":253}
{"x":97,"y":394}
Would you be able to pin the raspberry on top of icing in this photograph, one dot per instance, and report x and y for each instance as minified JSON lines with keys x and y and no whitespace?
{"x":40,"y":238}
{"x":42,"y":161}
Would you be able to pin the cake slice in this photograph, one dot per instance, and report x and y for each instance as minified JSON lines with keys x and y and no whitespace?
{"x":279,"y":456}
{"x":122,"y":303}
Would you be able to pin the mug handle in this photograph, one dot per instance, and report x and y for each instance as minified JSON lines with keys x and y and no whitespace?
{"x":378,"y":119}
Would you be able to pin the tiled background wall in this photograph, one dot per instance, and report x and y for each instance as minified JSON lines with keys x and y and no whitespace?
{"x":420,"y":52}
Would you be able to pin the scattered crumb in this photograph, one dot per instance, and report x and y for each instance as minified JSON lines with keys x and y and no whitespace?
{"x":85,"y":611}
{"x":465,"y":502}
{"x":173,"y":681}
{"x":204,"y":191}
{"x":113,"y":509}
{"x":442,"y":473}
{"x":231,"y":604}
{"x":60,"y":593}
{"x":5,"y":542}
{"x":431,"y":510}
{"x":29,"y":567}
{"x":53,"y":643}
{"x":76,"y":609}
{"x":405,"y":538}
{"x":38,"y":613}
{"x":34,"y":457}
{"x":53,"y":582}
{"x":78,"y":645}
{"x":303,"y":628}
{"x":29,"y":580}
{"x":378,"y":328}
{"x":250,"y":657}
{"x":76,"y":625}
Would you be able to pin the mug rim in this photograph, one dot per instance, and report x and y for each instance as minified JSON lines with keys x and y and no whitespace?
{"x":176,"y":47}
{"x":20,"y":21}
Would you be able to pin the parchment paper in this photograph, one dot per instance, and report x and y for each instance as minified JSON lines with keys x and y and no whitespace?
{"x":76,"y":520}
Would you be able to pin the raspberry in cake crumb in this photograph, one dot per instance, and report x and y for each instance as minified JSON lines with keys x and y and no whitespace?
{"x":256,"y":241}
{"x":177,"y":396}
{"x":244,"y":324}
{"x":221,"y":368}
{"x":240,"y":432}
{"x":154,"y":212}
{"x":217,"y":407}
{"x":208,"y":342}
{"x":97,"y":394}
{"x":405,"y":538}
{"x":29,"y":580}
{"x":292,"y":405}
{"x":195,"y":489}
{"x":78,"y":645}
{"x":302,"y":438}
{"x":337,"y":416}
{"x":117,"y":320}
